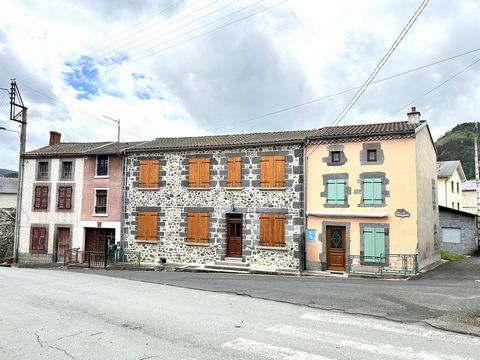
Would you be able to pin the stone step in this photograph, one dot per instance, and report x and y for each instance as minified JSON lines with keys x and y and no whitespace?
{"x":244,"y":269}
{"x":231,"y":263}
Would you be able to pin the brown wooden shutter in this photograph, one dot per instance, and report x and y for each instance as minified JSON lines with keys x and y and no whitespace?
{"x":279,"y":171}
{"x":266,"y":231}
{"x":42,"y":239}
{"x":193,"y":173}
{"x":234,"y":171}
{"x":279,"y":230}
{"x":152,"y":226}
{"x":35,"y":238}
{"x":267,"y":171}
{"x":144,"y":174}
{"x":147,"y":226}
{"x":204,"y":172}
{"x":38,"y":197}
{"x":202,"y":232}
{"x":192,"y":227}
{"x":61,"y":202}
{"x":68,"y":197}
{"x":154,"y":173}
{"x":44,"y":200}
{"x":142,"y":231}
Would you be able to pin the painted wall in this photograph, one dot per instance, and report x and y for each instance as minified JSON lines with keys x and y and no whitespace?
{"x":428,"y":229}
{"x":8,"y":201}
{"x":51,"y":217}
{"x":463,"y":223}
{"x":399,"y":168}
{"x":447,"y":197}
{"x":469,"y":201}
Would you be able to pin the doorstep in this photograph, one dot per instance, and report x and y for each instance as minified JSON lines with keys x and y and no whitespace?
{"x":334,"y":274}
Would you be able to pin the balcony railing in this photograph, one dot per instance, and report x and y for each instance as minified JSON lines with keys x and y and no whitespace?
{"x":400,"y":264}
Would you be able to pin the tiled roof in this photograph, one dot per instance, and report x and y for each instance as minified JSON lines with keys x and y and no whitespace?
{"x":469,"y":185}
{"x":65,"y":149}
{"x":445,"y":169}
{"x":220,"y":141}
{"x":112,"y":148}
{"x":8,"y":185}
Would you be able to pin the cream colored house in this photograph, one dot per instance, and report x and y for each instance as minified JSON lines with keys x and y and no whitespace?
{"x":8,"y":193}
{"x":371,"y":198}
{"x":450,"y":177}
{"x":469,"y":196}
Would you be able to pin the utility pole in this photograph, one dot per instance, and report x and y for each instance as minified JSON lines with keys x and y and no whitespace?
{"x":118,"y":126}
{"x":18,"y":113}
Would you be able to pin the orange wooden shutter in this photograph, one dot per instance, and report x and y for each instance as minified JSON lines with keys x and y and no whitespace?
{"x":279,"y":230}
{"x":192,"y":226}
{"x":152,"y":226}
{"x":202,"y":233}
{"x":279,"y":171}
{"x":142,"y":231}
{"x":193,"y":173}
{"x":154,"y":173}
{"x":234,"y":171}
{"x":266,"y":230}
{"x":267,"y":171}
{"x":204,"y":173}
{"x":143,"y":180}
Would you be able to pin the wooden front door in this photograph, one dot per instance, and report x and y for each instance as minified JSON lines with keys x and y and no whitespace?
{"x":336,"y":248}
{"x":234,"y":235}
{"x":63,"y":243}
{"x":98,"y":239}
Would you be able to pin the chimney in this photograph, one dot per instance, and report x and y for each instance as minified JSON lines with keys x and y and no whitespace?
{"x":54,"y":138}
{"x":414,"y":116}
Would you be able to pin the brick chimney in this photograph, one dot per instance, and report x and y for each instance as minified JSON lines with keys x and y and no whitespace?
{"x":54,"y":138}
{"x":414,"y":116}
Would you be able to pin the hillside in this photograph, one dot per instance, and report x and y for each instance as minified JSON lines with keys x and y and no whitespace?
{"x":457,"y":144}
{"x":8,"y":173}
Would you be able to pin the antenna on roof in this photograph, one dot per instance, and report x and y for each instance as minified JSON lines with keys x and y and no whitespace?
{"x":118,"y":126}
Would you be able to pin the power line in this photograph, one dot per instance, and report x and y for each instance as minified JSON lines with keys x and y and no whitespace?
{"x":382,"y":62}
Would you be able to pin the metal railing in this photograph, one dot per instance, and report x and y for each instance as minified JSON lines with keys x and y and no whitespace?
{"x":401,"y":264}
{"x":90,"y":259}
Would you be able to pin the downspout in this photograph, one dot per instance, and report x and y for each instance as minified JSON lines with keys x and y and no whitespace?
{"x":446,"y":192}
{"x":304,"y":255}
{"x":123,"y":153}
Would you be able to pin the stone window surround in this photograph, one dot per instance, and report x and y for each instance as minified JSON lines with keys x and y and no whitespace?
{"x":364,"y":154}
{"x":289,"y":160}
{"x":184,"y":224}
{"x":385,"y":192}
{"x":386,"y":227}
{"x":46,"y":226}
{"x":162,"y":162}
{"x":73,"y":198}
{"x":35,"y":184}
{"x":160,"y":215}
{"x":278,"y":211}
{"x":324,"y":194}
{"x":37,"y":170}
{"x":60,"y":170}
{"x":322,"y":238}
{"x":328,"y":159}
{"x":223,"y":172}
{"x":186,"y":163}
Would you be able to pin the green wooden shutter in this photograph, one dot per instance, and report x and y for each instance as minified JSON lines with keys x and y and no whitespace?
{"x":368,"y":244}
{"x":377,"y":191}
{"x":331,"y":192}
{"x":368,"y":191}
{"x":380,"y":244}
{"x":340,"y":191}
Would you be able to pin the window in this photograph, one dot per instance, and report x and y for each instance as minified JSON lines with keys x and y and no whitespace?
{"x":451,"y":183}
{"x":373,"y":244}
{"x":101,"y":202}
{"x":102,"y":165}
{"x":39,"y":239}
{"x":199,"y":173}
{"x":272,"y":230}
{"x":67,"y":170}
{"x":336,"y":191}
{"x":41,"y":197}
{"x":372,"y":191}
{"x":197,"y":227}
{"x":64,"y":197}
{"x":272,"y":171}
{"x":453,"y":205}
{"x":451,"y":235}
{"x":372,"y":155}
{"x":147,"y":226}
{"x":42,"y":171}
{"x":458,"y":206}
{"x":149,"y":174}
{"x":234,"y":171}
{"x":458,"y":188}
{"x":335,"y":156}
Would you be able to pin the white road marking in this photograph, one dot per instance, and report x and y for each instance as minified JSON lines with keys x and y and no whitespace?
{"x":271,"y":351}
{"x":392,"y":327}
{"x":353,"y":343}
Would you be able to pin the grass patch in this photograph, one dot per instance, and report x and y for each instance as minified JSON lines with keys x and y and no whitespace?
{"x":451,"y":256}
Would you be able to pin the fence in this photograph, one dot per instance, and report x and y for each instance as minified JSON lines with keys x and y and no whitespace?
{"x":402,"y":264}
{"x":97,"y":259}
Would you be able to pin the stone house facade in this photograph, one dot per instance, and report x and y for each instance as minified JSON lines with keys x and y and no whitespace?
{"x":206,"y":199}
{"x":459,"y":231}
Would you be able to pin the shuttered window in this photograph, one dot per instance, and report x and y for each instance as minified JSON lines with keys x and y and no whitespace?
{"x":39,"y":239}
{"x":234,"y":171}
{"x":272,"y":230}
{"x":149,"y":174}
{"x":41,"y":197}
{"x":372,"y":191}
{"x":373,"y":244}
{"x":197,"y":227}
{"x":147,"y":226}
{"x":272,"y":171}
{"x":336,"y":191}
{"x":64,"y":197}
{"x":199,"y":173}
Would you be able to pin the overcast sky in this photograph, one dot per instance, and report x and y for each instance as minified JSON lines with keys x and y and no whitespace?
{"x":178,"y":68}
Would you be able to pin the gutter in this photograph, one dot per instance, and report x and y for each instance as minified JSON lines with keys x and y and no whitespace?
{"x":346,"y":214}
{"x":304,"y":255}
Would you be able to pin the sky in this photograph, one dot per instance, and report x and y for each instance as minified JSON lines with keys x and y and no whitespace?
{"x":192,"y":68}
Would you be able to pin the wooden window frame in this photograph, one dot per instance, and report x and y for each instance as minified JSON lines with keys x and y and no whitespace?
{"x":272,"y":171}
{"x":199,"y":172}
{"x":96,"y":206}
{"x":98,"y":166}
{"x":62,"y":170}
{"x":149,"y":174}
{"x":65,"y":200}
{"x":272,"y":230}
{"x":147,"y":226}
{"x":198,"y":228}
{"x":36,"y":229}
{"x":46,"y":175}
{"x":40,"y":197}
{"x":374,"y":158}
{"x":234,"y":171}
{"x":335,"y":156}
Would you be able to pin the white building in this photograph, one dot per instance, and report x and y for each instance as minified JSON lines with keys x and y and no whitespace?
{"x":450,"y":176}
{"x":469,"y":196}
{"x":8,"y":193}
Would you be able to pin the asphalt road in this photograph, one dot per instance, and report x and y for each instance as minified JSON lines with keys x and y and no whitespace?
{"x":71,"y":315}
{"x":447,"y":297}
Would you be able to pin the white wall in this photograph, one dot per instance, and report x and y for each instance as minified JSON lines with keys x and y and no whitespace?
{"x":469,"y":201}
{"x":445,"y":194}
{"x":8,"y":201}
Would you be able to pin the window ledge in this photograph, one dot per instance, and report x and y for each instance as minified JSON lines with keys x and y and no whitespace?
{"x":101,"y":177}
{"x":275,"y":248}
{"x":148,"y":189}
{"x":273,"y":188}
{"x":100,"y":215}
{"x":197,"y":244}
{"x":234,"y":188}
{"x":153,"y":241}
{"x":199,"y":188}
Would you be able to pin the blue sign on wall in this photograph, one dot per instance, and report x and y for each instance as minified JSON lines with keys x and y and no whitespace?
{"x":310,"y":235}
